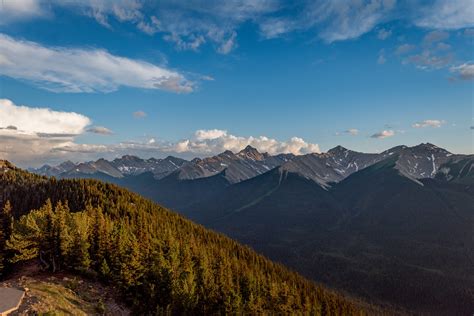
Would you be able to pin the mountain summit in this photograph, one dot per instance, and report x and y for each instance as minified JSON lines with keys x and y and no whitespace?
{"x":251,"y":153}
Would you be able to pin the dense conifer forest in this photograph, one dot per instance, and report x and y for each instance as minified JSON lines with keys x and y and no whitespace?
{"x":161,"y":262}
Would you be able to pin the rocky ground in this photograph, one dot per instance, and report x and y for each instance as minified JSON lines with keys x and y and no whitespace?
{"x":61,"y":294}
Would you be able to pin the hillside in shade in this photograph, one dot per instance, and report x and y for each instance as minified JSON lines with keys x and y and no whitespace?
{"x":159,"y":261}
{"x":381,"y":233}
{"x":393,"y":227}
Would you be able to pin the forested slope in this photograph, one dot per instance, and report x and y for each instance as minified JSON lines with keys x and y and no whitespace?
{"x":160,"y":261}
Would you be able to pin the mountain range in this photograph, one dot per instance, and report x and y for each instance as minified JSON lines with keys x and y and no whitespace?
{"x":394,"y":227}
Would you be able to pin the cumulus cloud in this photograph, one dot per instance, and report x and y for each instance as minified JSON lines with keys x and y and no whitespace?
{"x":40,"y":120}
{"x":429,"y":123}
{"x":139,"y":114}
{"x":32,"y":136}
{"x":100,"y":130}
{"x":60,"y":69}
{"x":202,"y":135}
{"x":383,"y":134}
{"x":203,"y":143}
{"x":215,"y":141}
{"x":464,"y":71}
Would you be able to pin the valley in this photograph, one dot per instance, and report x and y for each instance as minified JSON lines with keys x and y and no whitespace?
{"x":370,"y":224}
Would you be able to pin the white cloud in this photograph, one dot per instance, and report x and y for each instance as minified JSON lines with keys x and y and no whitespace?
{"x":429,"y":123}
{"x":189,"y":25}
{"x":352,"y":131}
{"x":464,"y":71}
{"x":100,"y":130}
{"x":381,"y":59}
{"x":383,"y":34}
{"x":211,"y":134}
{"x":28,"y":134}
{"x":14,"y":10}
{"x":203,"y":143}
{"x":404,"y":48}
{"x":469,"y":32}
{"x":435,"y":36}
{"x":342,"y":20}
{"x":215,"y":141}
{"x":139,"y":114}
{"x":383,"y":134}
{"x":79,"y":70}
{"x":275,"y":27}
{"x":443,"y":14}
{"x":33,"y":136}
{"x":228,"y":45}
{"x":41,"y":120}
{"x":430,"y":59}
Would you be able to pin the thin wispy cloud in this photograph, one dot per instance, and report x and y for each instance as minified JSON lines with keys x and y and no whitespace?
{"x":350,"y":131}
{"x":429,"y":123}
{"x":464,"y":71}
{"x":190,"y":25}
{"x":435,"y":36}
{"x":139,"y":114}
{"x":404,"y":48}
{"x":381,"y":59}
{"x":383,"y":34}
{"x":101,"y":130}
{"x":444,"y":15}
{"x":60,"y":69}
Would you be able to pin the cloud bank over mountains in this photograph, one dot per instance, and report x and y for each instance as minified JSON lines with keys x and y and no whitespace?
{"x":31,"y":136}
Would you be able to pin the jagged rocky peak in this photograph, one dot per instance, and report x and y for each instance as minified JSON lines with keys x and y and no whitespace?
{"x":252,"y":153}
{"x":67,"y":164}
{"x":175,"y":160}
{"x":196,"y":160}
{"x":228,"y":153}
{"x":129,"y":158}
{"x":337,"y":150}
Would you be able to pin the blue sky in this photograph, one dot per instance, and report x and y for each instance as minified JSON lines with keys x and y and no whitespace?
{"x":85,"y":79}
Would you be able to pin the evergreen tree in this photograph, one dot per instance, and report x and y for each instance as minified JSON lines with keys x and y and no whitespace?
{"x":6,"y":221}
